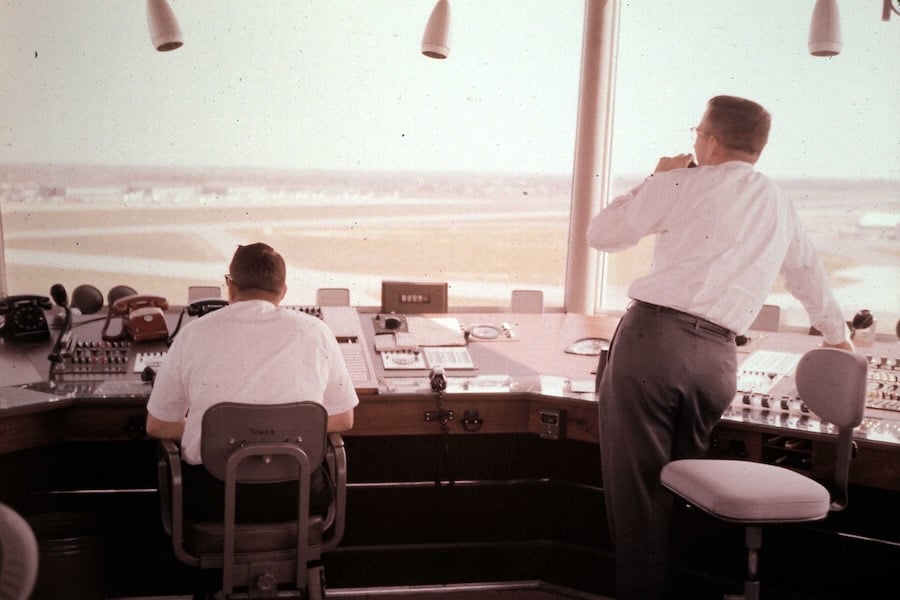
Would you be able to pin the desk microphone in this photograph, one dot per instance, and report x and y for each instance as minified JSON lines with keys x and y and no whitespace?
{"x":438,"y":381}
{"x":61,"y":297}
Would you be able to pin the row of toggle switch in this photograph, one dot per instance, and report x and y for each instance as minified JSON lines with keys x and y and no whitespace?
{"x":883,"y":390}
{"x":784,"y":403}
{"x":95,"y":357}
{"x":883,"y":362}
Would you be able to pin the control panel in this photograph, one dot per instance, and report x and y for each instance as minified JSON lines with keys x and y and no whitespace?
{"x":93,"y":359}
{"x":765,"y":381}
{"x":87,"y":365}
{"x":313,"y":311}
{"x":410,"y":342}
{"x":884,"y":388}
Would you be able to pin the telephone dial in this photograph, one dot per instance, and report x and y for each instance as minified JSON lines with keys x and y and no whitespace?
{"x":24,"y":319}
{"x":142,"y":318}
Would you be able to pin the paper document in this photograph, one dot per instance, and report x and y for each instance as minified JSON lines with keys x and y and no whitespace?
{"x":436,"y":331}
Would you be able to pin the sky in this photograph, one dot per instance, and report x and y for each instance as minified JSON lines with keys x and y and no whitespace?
{"x":341,"y":84}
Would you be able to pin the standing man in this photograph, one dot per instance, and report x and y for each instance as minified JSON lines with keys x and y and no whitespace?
{"x":255,"y":352}
{"x":724,"y":232}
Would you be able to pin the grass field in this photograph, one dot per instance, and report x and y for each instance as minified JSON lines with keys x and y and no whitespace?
{"x":485,"y":235}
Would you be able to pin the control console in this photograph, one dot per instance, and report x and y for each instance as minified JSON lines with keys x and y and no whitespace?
{"x":884,"y":388}
{"x":765,"y":380}
{"x":93,"y":360}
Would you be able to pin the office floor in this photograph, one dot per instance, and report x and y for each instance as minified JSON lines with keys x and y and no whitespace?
{"x":438,"y":593}
{"x":468,"y":592}
{"x":472,"y":595}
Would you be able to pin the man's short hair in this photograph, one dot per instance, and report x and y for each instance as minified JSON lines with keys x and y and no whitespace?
{"x":738,"y":123}
{"x":257,"y":266}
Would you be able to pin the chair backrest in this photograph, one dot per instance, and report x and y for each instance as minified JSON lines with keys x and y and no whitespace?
{"x":832,"y":383}
{"x":230,"y":426}
{"x":18,"y":556}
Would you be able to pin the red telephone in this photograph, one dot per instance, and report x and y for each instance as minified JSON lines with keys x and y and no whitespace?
{"x":142,"y":316}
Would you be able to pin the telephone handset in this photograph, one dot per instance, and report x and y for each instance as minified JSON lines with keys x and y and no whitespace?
{"x":198,"y":309}
{"x":202,"y":307}
{"x":142,"y":316}
{"x":25,"y":321}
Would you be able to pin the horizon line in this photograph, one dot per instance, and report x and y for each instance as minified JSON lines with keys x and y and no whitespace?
{"x":235,"y":171}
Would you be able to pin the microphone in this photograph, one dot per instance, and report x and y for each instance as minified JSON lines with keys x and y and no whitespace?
{"x":61,"y":297}
{"x":438,"y":381}
{"x":59,"y":294}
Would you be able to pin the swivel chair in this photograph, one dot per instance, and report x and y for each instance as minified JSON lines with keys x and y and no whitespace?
{"x":18,"y":556}
{"x":255,"y":444}
{"x":832,"y":383}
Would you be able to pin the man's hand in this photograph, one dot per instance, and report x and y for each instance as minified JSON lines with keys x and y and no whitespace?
{"x":667,"y":163}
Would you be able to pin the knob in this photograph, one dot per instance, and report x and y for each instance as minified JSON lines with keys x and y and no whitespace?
{"x":266,"y":582}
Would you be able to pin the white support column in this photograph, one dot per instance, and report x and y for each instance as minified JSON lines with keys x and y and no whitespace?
{"x":3,"y":292}
{"x":590,"y":173}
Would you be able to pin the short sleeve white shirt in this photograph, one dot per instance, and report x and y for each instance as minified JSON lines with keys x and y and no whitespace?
{"x":253,"y":352}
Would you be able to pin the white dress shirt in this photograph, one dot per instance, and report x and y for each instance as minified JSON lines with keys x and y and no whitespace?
{"x":723,"y":234}
{"x":253,"y":352}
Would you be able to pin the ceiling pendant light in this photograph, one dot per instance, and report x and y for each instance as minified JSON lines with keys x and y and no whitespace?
{"x":825,"y":29}
{"x":436,"y":41}
{"x":164,"y":31}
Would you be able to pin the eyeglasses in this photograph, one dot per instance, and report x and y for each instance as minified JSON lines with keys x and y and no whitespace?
{"x":695,"y":132}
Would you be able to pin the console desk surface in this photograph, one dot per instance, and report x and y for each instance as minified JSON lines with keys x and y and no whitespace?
{"x":519,"y":381}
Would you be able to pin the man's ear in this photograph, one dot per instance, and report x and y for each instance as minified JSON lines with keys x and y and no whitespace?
{"x":713,"y":150}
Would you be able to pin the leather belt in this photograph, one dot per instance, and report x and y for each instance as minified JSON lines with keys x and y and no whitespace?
{"x":694,"y":320}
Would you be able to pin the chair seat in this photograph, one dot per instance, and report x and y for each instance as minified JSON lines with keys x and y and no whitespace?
{"x":747,"y":492}
{"x":203,"y":538}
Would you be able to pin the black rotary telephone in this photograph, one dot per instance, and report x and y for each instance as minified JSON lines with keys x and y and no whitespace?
{"x":198,"y":309}
{"x":24,"y":319}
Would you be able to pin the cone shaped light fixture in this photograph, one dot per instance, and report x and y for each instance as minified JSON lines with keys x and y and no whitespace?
{"x":887,"y":8}
{"x":825,"y":29}
{"x":436,"y":41}
{"x":164,"y":31}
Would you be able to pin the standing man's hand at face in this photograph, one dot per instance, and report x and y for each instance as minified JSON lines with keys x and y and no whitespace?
{"x":667,"y":163}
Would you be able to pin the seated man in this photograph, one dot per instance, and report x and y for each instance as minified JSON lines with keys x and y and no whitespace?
{"x":255,"y":352}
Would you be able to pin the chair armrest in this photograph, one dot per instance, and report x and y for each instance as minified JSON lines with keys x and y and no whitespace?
{"x":334,"y":446}
{"x":171,"y":499}
{"x":336,"y":462}
{"x":167,"y":468}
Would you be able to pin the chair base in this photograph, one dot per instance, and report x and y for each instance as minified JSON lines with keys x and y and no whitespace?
{"x":753,"y":542}
{"x":751,"y":592}
{"x":315,"y":589}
